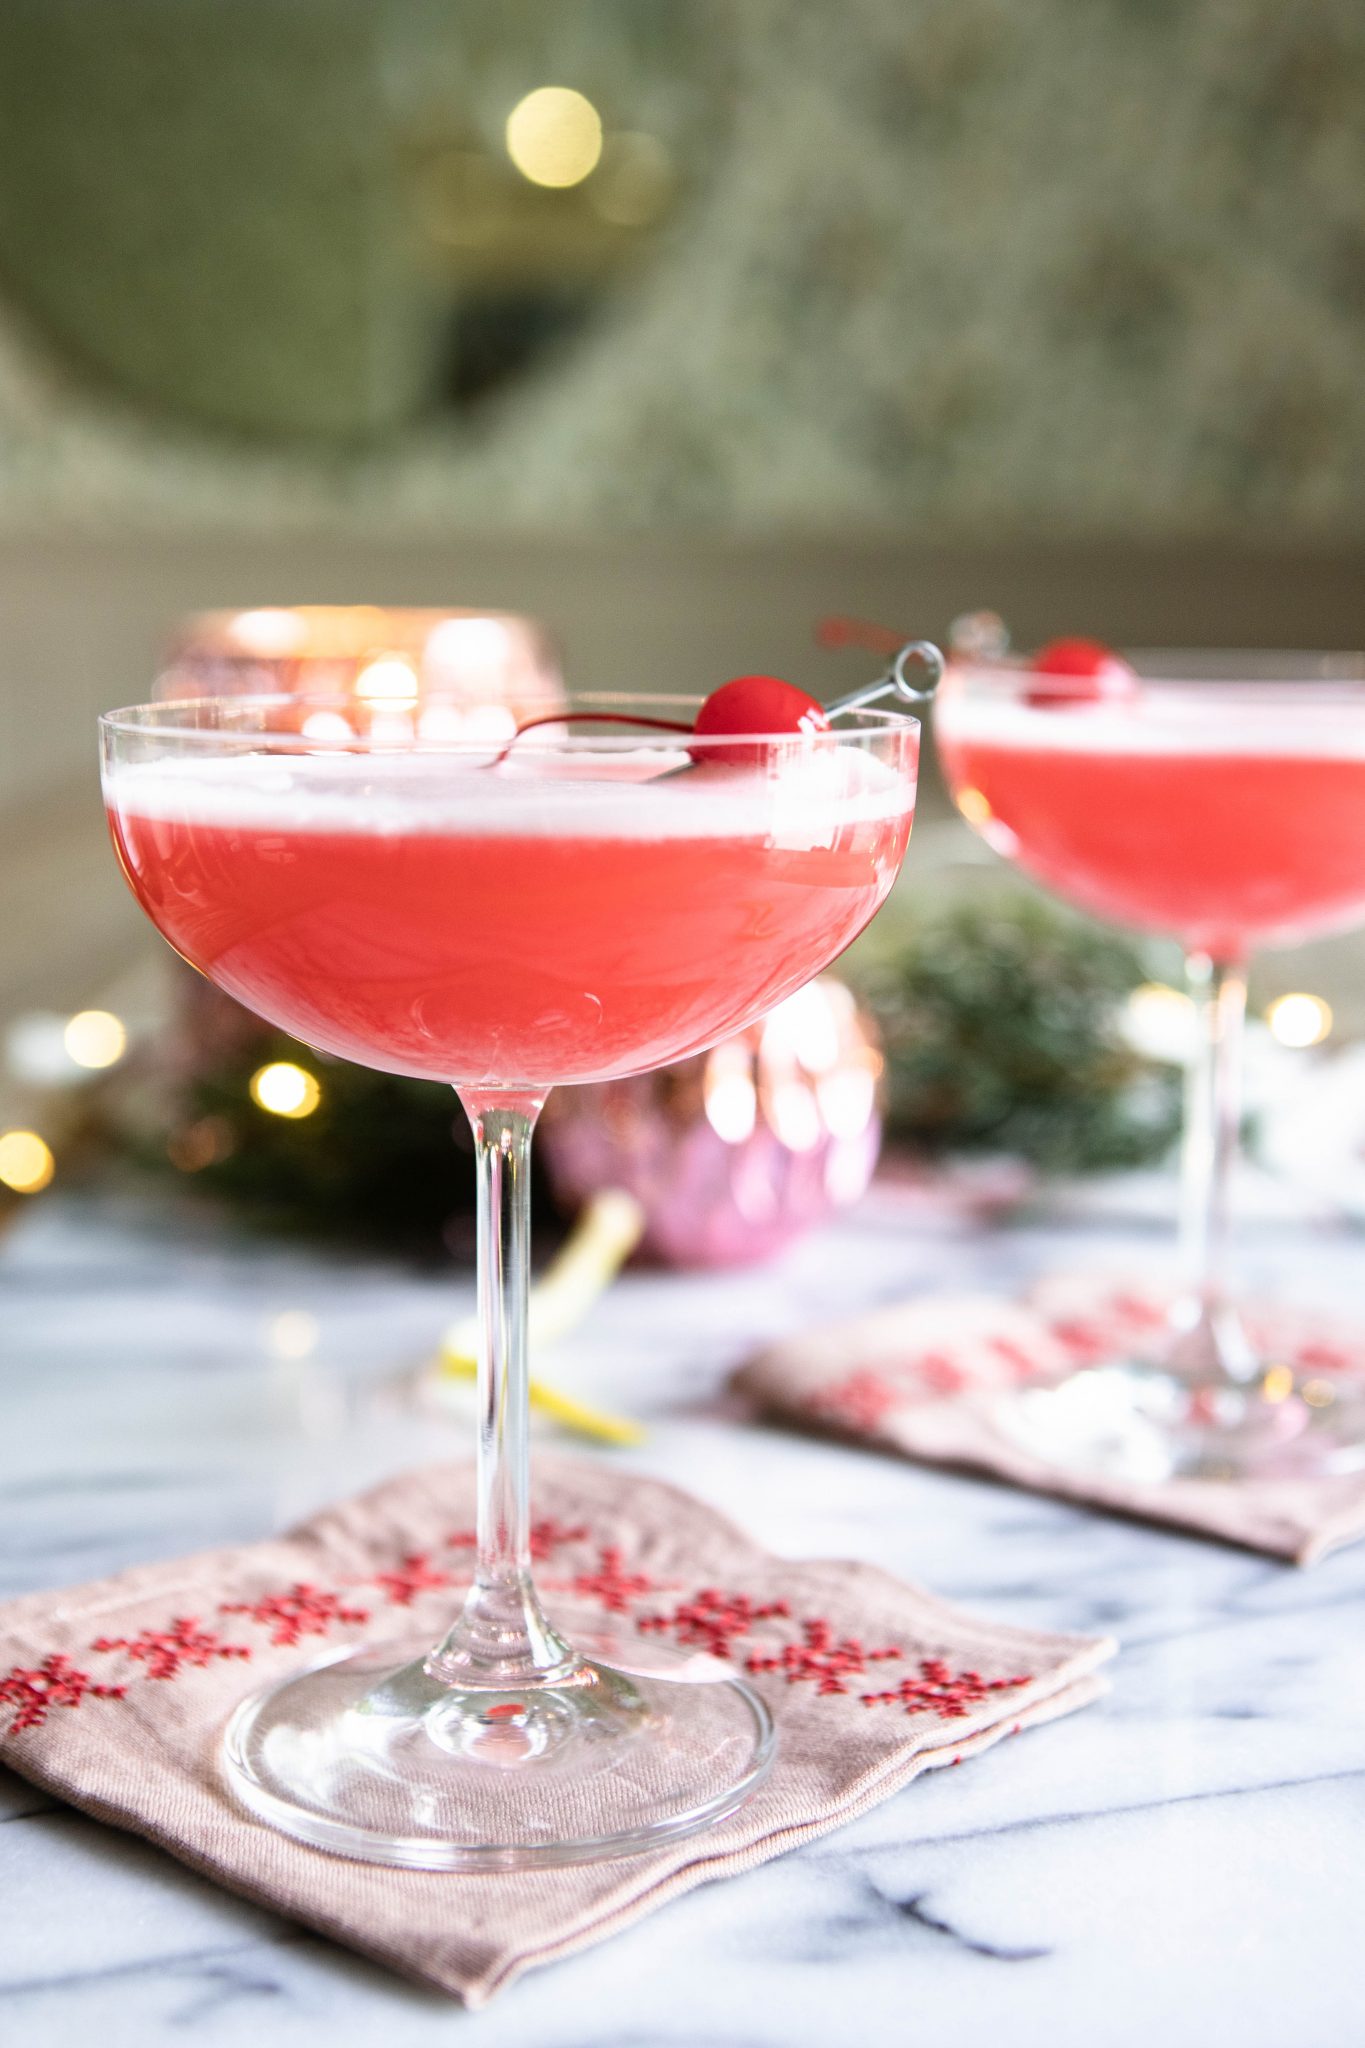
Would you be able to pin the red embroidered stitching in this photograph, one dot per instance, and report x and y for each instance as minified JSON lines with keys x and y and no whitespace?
{"x":820,"y":1658}
{"x":1090,"y":1339}
{"x":939,"y":1373}
{"x":164,"y":1651}
{"x":303,"y":1611}
{"x":1145,"y":1314}
{"x":547,"y":1536}
{"x":1322,"y":1357}
{"x":712,"y":1619}
{"x":1015,"y":1356}
{"x":414,"y":1575}
{"x":861,"y":1401}
{"x":612,"y":1584}
{"x":54,"y":1683}
{"x":939,"y":1690}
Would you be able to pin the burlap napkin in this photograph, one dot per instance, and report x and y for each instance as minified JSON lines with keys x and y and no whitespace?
{"x":113,"y":1696}
{"x":925,"y":1378}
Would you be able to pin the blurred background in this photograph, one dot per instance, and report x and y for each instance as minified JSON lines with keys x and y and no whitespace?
{"x":676,"y":324}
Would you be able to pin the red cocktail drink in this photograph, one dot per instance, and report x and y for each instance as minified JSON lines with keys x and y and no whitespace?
{"x":1220,"y":802}
{"x":575,"y":906}
{"x":502,"y":924}
{"x":1222,"y":822}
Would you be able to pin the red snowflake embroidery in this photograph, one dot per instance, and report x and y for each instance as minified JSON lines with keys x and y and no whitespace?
{"x":713,"y":1619}
{"x":862,"y":1401}
{"x":939,"y":1690}
{"x":612,"y":1584}
{"x":1135,"y":1309}
{"x":1317,"y":1356}
{"x":940,"y":1374}
{"x":547,"y":1536}
{"x":1015,"y":1356}
{"x":820,"y":1658}
{"x":413,"y":1576}
{"x":164,"y":1651}
{"x":1087,"y":1339}
{"x":303,"y":1611}
{"x":54,"y":1683}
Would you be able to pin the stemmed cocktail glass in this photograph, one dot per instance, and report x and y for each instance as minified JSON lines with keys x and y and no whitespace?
{"x":1219,"y":799}
{"x":590,"y":901}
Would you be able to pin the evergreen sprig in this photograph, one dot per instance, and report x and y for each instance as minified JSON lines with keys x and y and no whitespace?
{"x":1001,"y":1021}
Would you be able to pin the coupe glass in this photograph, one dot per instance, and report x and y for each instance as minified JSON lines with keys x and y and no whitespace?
{"x":1221,"y":800}
{"x":590,"y":902}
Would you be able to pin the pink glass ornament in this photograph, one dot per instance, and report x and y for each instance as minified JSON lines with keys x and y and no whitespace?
{"x":737,"y":1152}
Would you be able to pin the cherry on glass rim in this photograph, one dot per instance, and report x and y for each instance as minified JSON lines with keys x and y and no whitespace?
{"x":1080,"y":672}
{"x":747,"y":708}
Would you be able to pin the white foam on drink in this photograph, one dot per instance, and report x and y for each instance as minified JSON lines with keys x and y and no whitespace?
{"x":805,"y":799}
{"x":1166,"y":721}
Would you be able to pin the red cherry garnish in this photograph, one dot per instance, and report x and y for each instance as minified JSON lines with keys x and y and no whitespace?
{"x":748,"y":707}
{"x":1086,"y":672}
{"x":752,"y":707}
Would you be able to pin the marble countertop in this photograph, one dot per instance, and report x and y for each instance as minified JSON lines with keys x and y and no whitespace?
{"x":1182,"y":1863}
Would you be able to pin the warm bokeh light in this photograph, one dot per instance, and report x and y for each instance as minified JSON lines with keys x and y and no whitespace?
{"x":1277,"y":1384}
{"x":1160,"y":1022}
{"x":805,"y":1028}
{"x":489,"y":722}
{"x":441,"y":722}
{"x":26,"y":1162}
{"x":284,"y":1089}
{"x":293,"y":1333}
{"x":390,"y":680}
{"x":554,"y":136}
{"x":731,"y":1101}
{"x":974,"y":807}
{"x":328,"y":728}
{"x":271,"y":632}
{"x":848,"y":1099}
{"x":1299,"y":1020}
{"x":794,"y":1115}
{"x":95,"y":1038}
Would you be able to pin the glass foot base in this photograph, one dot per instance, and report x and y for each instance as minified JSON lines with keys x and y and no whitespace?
{"x":368,"y":1755}
{"x":1143,"y":1422}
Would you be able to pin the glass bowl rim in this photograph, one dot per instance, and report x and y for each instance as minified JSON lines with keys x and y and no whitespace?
{"x":1227,"y":671}
{"x":157,"y":721}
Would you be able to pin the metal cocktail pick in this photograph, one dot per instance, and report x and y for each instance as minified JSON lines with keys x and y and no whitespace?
{"x":915,"y":673}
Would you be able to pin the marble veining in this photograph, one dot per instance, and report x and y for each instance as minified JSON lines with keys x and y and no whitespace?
{"x":1183,"y":1862}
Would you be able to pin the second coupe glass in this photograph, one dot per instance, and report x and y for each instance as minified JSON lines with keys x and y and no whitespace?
{"x":1219,"y":799}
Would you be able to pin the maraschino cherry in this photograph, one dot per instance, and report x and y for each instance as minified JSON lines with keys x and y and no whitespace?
{"x":753,"y":705}
{"x":1083,"y":672}
{"x":749,"y":709}
{"x":745,"y":708}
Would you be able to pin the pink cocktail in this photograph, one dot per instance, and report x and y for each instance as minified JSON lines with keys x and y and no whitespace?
{"x":503,"y":925}
{"x":1221,"y":801}
{"x":581,"y":905}
{"x":1227,"y":820}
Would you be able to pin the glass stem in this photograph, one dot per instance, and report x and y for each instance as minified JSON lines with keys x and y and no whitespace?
{"x":502,"y":1639}
{"x":1211,"y":1343}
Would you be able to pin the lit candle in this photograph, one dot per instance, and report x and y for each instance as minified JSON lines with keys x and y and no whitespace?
{"x":437,"y":675}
